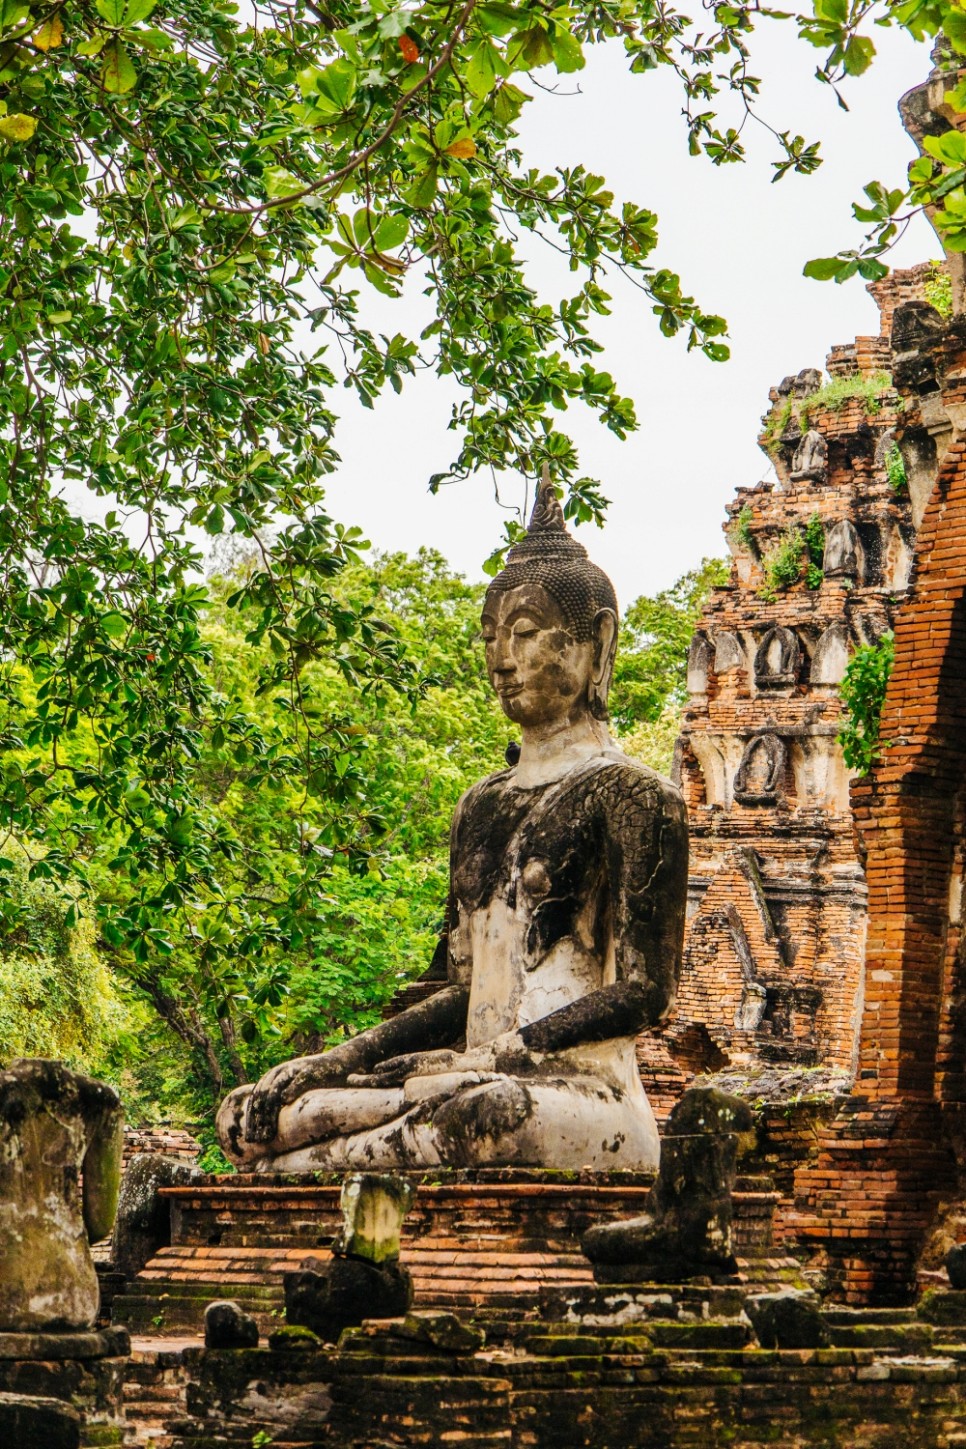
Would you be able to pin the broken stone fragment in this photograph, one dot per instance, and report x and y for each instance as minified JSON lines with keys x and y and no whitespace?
{"x":293,"y":1336}
{"x":143,"y":1224}
{"x":789,"y":1319}
{"x":374,"y":1206}
{"x":227,"y":1326}
{"x":956,"y":1266}
{"x":61,"y":1139}
{"x":943,"y":1307}
{"x":442,"y":1330}
{"x":329,"y":1297}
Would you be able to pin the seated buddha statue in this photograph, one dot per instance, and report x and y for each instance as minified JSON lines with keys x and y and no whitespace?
{"x":565,"y":924}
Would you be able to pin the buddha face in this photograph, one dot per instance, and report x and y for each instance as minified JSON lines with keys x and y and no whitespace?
{"x":540,"y":672}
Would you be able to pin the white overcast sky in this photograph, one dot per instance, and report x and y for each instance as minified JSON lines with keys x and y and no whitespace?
{"x":739,"y":244}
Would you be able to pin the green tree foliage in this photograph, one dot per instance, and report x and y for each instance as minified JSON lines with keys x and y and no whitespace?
{"x":56,"y":997}
{"x":863,"y":695}
{"x":361,"y":914}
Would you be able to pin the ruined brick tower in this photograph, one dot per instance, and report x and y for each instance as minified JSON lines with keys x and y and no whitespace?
{"x":821,"y":558}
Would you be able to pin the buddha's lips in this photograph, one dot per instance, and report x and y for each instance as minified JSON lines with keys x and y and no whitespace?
{"x":508,"y":691}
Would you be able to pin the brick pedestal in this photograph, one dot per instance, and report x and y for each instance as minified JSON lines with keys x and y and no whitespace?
{"x":482,"y":1240}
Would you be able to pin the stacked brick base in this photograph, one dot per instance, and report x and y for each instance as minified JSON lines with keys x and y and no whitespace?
{"x":865,"y":1206}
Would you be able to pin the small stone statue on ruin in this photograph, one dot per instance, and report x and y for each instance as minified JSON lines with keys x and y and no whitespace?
{"x":61,"y":1141}
{"x":810,"y":463}
{"x":568,"y":873}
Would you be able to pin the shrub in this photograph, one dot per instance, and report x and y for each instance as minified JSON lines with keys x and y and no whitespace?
{"x":939,"y":289}
{"x":743,"y":526}
{"x":815,"y":543}
{"x":863,"y":694}
{"x":783,"y":563}
{"x":838,"y":391}
{"x":895,"y":468}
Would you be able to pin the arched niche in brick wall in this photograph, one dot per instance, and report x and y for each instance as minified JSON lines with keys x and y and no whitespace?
{"x":778,"y":659}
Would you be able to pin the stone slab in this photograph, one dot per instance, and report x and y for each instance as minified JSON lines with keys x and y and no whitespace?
{"x":103,"y":1343}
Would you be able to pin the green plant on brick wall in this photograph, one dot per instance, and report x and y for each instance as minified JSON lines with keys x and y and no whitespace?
{"x":863,"y":694}
{"x":743,"y":526}
{"x":815,"y":544}
{"x":838,"y":391}
{"x":775,"y":425}
{"x":830,"y":397}
{"x":895,"y":468}
{"x":938,"y":289}
{"x":783,"y":563}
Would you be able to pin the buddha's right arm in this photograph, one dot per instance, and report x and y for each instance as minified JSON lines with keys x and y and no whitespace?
{"x":436,"y":1022}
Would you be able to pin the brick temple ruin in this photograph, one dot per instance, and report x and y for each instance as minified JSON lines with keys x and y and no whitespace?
{"x":777,"y":897}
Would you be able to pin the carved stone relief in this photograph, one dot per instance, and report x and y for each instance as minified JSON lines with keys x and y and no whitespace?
{"x":831,"y":655}
{"x":761,"y":772}
{"x":778,"y":659}
{"x":810,"y":463}
{"x":844,"y":555}
{"x":728,"y":653}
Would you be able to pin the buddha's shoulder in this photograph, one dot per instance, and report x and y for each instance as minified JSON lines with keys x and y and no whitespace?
{"x":491,"y":787}
{"x":618,"y":778}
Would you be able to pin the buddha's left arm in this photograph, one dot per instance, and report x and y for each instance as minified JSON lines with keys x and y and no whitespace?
{"x":645,"y":837}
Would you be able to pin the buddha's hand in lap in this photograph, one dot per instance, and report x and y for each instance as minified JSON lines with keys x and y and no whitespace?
{"x":396,"y":1070}
{"x":506,"y":1054}
{"x":275,"y":1090}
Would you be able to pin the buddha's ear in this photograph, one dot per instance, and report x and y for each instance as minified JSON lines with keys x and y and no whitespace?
{"x":605,"y":647}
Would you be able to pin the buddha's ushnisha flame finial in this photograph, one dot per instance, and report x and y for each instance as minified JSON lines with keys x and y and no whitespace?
{"x":547,"y":515}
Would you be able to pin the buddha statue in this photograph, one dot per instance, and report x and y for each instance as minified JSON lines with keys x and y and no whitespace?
{"x":565,"y":924}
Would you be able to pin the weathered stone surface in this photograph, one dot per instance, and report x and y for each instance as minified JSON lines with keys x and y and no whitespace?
{"x":956,"y":1266}
{"x":790,"y":1319}
{"x":688,"y":1230}
{"x":442,"y":1330}
{"x":374,"y":1207}
{"x":227,"y":1326}
{"x":844,"y":555}
{"x":143,"y":1217}
{"x":61,"y":1138}
{"x":568,"y":874}
{"x":343,"y":1293}
{"x":26,"y":1422}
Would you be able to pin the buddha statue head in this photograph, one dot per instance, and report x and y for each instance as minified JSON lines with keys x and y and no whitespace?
{"x":549,"y":624}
